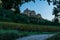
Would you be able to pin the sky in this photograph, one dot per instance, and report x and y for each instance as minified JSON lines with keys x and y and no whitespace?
{"x":41,"y":7}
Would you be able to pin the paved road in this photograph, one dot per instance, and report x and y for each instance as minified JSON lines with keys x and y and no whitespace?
{"x":37,"y":37}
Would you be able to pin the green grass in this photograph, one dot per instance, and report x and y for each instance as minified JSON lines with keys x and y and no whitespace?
{"x":14,"y":34}
{"x":28,"y":27}
{"x":16,"y":30}
{"x":11,"y":34}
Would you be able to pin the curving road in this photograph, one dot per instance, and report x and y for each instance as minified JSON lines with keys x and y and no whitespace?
{"x":37,"y":37}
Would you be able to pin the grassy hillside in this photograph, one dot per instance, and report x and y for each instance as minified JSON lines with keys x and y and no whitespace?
{"x":28,"y":27}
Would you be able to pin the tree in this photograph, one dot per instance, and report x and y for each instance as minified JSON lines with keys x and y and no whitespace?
{"x":56,"y":20}
{"x":55,"y":12}
{"x":8,"y":4}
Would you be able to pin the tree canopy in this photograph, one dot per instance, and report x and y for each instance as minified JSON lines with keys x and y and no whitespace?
{"x":8,"y":4}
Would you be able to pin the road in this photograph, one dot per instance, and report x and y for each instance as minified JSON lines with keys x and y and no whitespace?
{"x":37,"y":37}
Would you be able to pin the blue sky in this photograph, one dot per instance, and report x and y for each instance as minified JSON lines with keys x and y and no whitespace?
{"x":41,"y":7}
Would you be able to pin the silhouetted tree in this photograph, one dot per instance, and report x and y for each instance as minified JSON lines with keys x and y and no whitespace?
{"x":55,"y":12}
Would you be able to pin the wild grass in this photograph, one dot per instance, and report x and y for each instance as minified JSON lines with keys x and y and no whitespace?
{"x":12,"y":31}
{"x":28,"y":27}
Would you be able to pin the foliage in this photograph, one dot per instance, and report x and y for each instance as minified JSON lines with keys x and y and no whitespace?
{"x":8,"y":35}
{"x":9,"y":16}
{"x":8,"y":4}
{"x":14,"y":34}
{"x":6,"y":15}
{"x":29,"y":27}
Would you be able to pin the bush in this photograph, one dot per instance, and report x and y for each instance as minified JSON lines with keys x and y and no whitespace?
{"x":9,"y":35}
